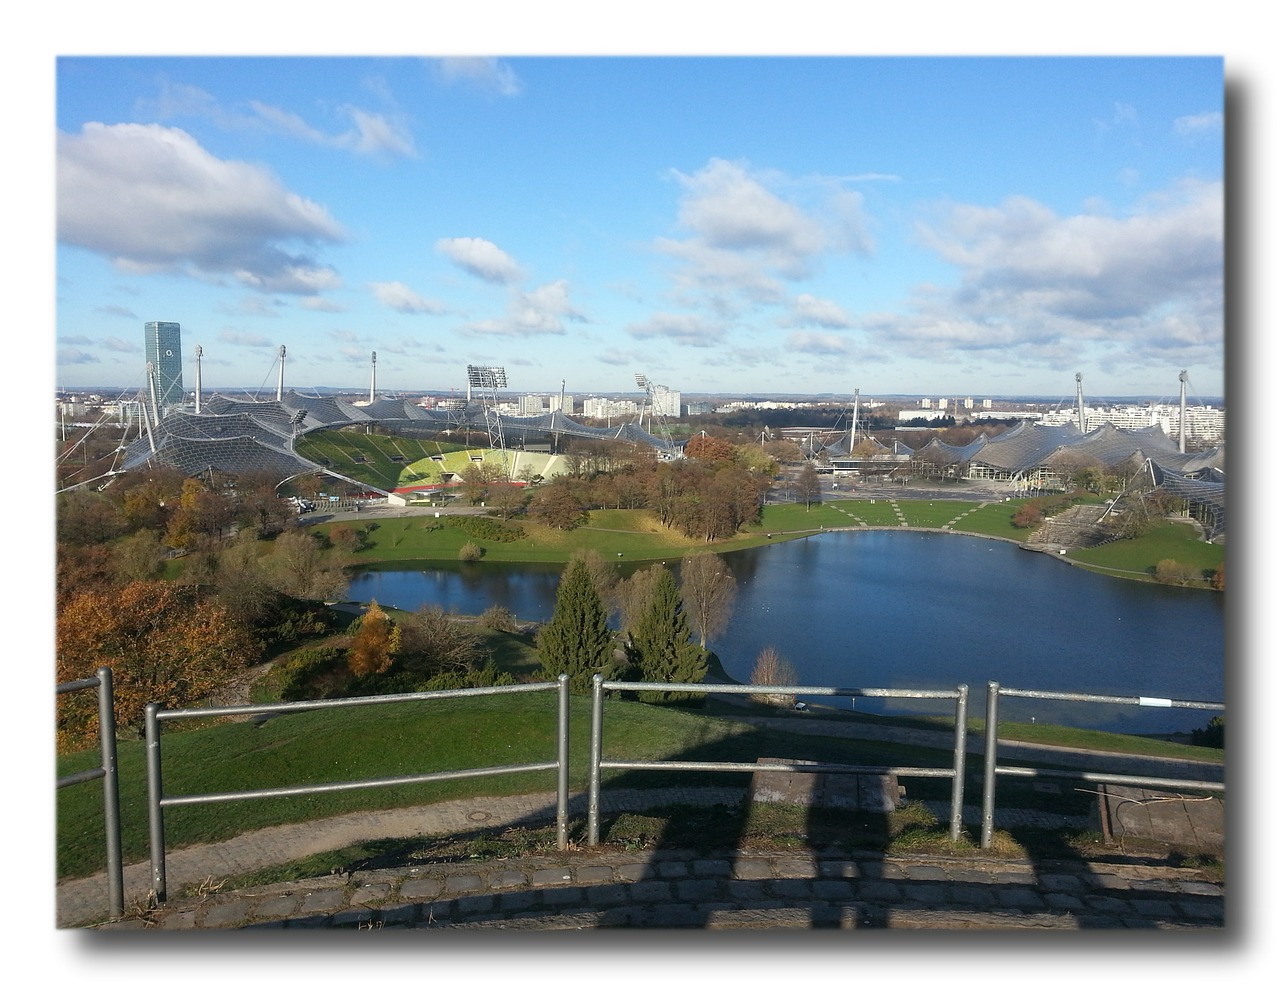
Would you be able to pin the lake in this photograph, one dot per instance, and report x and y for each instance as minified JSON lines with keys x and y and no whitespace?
{"x":905,"y":609}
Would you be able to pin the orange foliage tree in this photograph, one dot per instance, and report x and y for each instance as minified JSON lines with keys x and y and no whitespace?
{"x":376,"y":640}
{"x":163,"y":642}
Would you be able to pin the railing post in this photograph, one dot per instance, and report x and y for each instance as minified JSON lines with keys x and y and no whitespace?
{"x":562,"y":771}
{"x":593,"y":765}
{"x":958,"y":764}
{"x":155,"y":813}
{"x":110,"y":791}
{"x":989,"y":762}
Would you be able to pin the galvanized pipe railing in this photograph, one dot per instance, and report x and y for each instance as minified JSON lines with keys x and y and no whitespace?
{"x":992,"y":769}
{"x":157,"y":801}
{"x":108,"y":773}
{"x":597,"y":762}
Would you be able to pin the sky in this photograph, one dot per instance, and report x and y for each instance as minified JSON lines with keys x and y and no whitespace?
{"x":952,"y":225}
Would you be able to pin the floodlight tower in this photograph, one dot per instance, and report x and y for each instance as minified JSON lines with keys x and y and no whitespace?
{"x":280,"y":383}
{"x":1182,"y":411}
{"x":488,"y":379}
{"x":373,"y":377}
{"x":199,"y":356}
{"x":1080,"y":400}
{"x":853,"y":428}
{"x":649,"y":387}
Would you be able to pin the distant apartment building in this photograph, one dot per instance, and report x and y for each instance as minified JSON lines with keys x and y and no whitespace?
{"x":533,"y":404}
{"x":1205,"y":424}
{"x":609,"y":408}
{"x":560,"y":402}
{"x":666,"y":402}
{"x":163,"y":346}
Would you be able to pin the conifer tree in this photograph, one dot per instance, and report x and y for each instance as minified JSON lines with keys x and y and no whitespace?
{"x":659,"y":645}
{"x":577,"y":640}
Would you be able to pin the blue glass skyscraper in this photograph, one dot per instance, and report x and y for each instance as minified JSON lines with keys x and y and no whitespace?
{"x":164,"y":352}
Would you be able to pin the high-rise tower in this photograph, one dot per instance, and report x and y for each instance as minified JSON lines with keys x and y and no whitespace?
{"x":164,"y":352}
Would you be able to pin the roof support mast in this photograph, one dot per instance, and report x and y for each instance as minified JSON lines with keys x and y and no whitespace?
{"x":199,"y":355}
{"x":1182,"y":411}
{"x":1080,"y":400}
{"x":373,"y":378}
{"x":853,"y":428}
{"x":280,"y":384}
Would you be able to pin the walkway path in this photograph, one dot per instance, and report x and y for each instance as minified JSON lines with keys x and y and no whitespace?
{"x":587,"y":887}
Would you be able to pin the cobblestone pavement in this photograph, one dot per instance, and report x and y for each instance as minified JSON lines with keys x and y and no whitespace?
{"x":587,"y":888}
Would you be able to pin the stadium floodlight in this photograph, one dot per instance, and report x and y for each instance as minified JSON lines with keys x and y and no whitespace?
{"x":642,"y":381}
{"x":490,"y":377}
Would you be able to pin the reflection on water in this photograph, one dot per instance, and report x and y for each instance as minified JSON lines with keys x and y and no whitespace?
{"x":898,"y":609}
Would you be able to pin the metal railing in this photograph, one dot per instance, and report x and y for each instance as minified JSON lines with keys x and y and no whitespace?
{"x":106,"y":771}
{"x":597,"y":761}
{"x":992,"y":769}
{"x":157,"y":801}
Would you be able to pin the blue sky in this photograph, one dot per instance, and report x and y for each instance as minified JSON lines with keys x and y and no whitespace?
{"x":937,"y":225}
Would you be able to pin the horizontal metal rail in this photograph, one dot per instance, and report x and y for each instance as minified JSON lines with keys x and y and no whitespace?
{"x":597,"y":761}
{"x":992,"y":768}
{"x":106,"y":771}
{"x":157,"y":801}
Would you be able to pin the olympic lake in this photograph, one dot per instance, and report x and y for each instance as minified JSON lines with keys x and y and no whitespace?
{"x":914,"y":610}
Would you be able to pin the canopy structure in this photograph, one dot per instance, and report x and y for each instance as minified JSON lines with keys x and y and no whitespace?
{"x":242,"y":436}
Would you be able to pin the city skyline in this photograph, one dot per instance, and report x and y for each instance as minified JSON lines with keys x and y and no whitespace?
{"x":764,"y":224}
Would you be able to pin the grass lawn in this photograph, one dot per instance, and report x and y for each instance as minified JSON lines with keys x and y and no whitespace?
{"x":1138,"y":558}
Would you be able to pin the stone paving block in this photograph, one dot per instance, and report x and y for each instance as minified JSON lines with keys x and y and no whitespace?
{"x":277,"y":906}
{"x":672,"y":869}
{"x":1201,"y":909}
{"x":696,"y":890}
{"x":838,"y":868}
{"x":514,"y":902}
{"x":593,"y":874}
{"x":973,"y":895}
{"x":832,"y":889}
{"x":1200,"y":888}
{"x":878,"y":889}
{"x":1019,"y":896}
{"x":1062,"y":882}
{"x":356,"y":919}
{"x":650,"y":891}
{"x":402,"y":915}
{"x":1107,"y":904}
{"x":607,"y":894}
{"x":744,"y":889}
{"x":466,"y":882}
{"x":1153,"y":908}
{"x":795,"y":868}
{"x":324,"y":899}
{"x":421,"y":888}
{"x":633,"y":872}
{"x":791,"y":888}
{"x":179,"y":921}
{"x":934,"y":872}
{"x":925,"y":892}
{"x":482,"y":903}
{"x":227,"y":914}
{"x":712,"y":867}
{"x":1064,"y":901}
{"x":507,"y":879}
{"x":752,"y":868}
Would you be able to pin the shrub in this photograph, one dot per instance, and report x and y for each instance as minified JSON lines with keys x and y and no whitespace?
{"x":773,"y":670}
{"x":1026,"y":516}
{"x":1213,"y":735}
{"x":470,"y":551}
{"x":499,"y":619}
{"x":1170,"y":572}
{"x":487,"y":528}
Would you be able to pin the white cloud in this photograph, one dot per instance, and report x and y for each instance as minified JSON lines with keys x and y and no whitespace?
{"x":1199,"y":124}
{"x":542,"y":311}
{"x":481,"y":258}
{"x":150,"y":198}
{"x":1041,"y":289}
{"x":400,"y":297}
{"x":688,"y":330}
{"x":484,"y":74}
{"x":233,"y":337}
{"x":819,"y":343}
{"x":808,"y":310}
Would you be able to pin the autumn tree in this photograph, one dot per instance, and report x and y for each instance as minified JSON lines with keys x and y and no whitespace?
{"x":577,"y":640}
{"x":164,"y":643}
{"x":658,"y":645}
{"x":556,"y":506}
{"x":139,"y":556}
{"x":85,"y":517}
{"x":374,"y":641}
{"x":708,"y":591}
{"x":432,"y":644}
{"x":301,"y":567}
{"x":706,"y":448}
{"x":807,"y":486}
{"x":633,"y":596}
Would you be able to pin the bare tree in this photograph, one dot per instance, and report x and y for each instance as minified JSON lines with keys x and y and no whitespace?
{"x":807,"y":485}
{"x":709,"y":591}
{"x":774,"y":670}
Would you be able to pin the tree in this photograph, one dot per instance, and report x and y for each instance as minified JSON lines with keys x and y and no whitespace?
{"x":633,"y":596}
{"x":139,"y":557}
{"x":376,"y":639}
{"x":708,"y":590}
{"x":85,"y":518}
{"x":807,"y":486}
{"x":556,"y":506}
{"x":300,"y":567}
{"x":774,"y":670}
{"x":431,"y":644}
{"x":577,"y":640}
{"x":659,"y":646}
{"x":165,"y":643}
